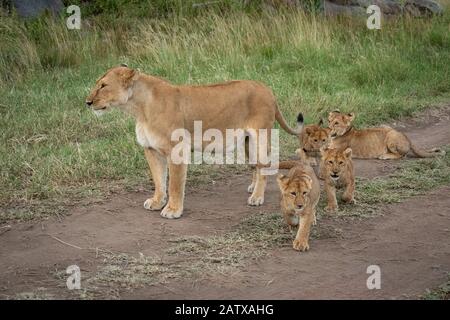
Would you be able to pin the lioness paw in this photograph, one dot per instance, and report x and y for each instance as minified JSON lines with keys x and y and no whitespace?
{"x":255,"y":200}
{"x":301,"y":245}
{"x":171,"y":213}
{"x":152,"y":204}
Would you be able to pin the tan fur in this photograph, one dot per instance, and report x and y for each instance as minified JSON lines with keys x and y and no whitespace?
{"x":372,"y":143}
{"x":160,"y":107}
{"x":299,"y":188}
{"x":312,"y":138}
{"x":338,"y":173}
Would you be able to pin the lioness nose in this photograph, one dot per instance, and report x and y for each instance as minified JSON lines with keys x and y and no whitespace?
{"x":88,"y":103}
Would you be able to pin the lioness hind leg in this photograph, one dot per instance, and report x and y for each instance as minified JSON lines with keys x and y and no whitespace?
{"x":158,"y":168}
{"x":177,"y":182}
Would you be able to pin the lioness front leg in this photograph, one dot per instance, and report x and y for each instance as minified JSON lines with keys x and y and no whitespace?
{"x":158,"y":169}
{"x":257,"y":197}
{"x":301,"y":242}
{"x":177,"y":182}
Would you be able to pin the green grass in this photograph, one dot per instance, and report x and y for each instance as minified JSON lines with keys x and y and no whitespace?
{"x":440,"y":293}
{"x":54,"y":152}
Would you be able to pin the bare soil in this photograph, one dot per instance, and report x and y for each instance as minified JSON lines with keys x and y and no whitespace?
{"x":410,"y":241}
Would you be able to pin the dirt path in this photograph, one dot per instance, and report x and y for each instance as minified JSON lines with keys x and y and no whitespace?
{"x":410,"y":242}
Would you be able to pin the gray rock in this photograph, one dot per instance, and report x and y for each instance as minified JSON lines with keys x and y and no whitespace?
{"x":332,"y":9}
{"x":34,"y":8}
{"x":420,"y":8}
{"x":388,"y":6}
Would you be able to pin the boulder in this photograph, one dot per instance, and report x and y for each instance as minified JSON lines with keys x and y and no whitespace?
{"x":333,"y":9}
{"x":29,"y":9}
{"x":420,"y":8}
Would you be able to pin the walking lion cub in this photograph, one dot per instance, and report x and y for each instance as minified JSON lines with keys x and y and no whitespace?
{"x":300,"y":192}
{"x":372,"y":143}
{"x":337,"y":170}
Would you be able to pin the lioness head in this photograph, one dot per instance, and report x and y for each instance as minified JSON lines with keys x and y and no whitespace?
{"x":336,"y":161}
{"x":295,"y":191}
{"x":113,"y":89}
{"x":314,"y":137}
{"x":339,"y":122}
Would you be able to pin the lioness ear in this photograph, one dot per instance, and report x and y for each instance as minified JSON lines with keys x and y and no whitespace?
{"x":308,"y":181}
{"x":348,"y":152}
{"x":129,"y":76}
{"x":282,"y":181}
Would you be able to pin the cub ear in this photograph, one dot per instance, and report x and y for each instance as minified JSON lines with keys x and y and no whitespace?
{"x":348,"y":152}
{"x":332,"y":114}
{"x":328,"y":131}
{"x":124,"y":65}
{"x":308,"y":181}
{"x":324,"y":150}
{"x":308,"y":130}
{"x":351,"y":116}
{"x":320,"y":122}
{"x":282,"y":181}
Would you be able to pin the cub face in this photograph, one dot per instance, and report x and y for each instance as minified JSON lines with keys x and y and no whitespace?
{"x":315,"y":137}
{"x":339,"y":123}
{"x":111,"y":90}
{"x":336,"y":161}
{"x":294,"y":192}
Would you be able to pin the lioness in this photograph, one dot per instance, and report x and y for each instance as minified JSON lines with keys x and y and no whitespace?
{"x":338,"y":173}
{"x":160,"y":107}
{"x":300,"y":192}
{"x":312,"y":137}
{"x":372,"y":143}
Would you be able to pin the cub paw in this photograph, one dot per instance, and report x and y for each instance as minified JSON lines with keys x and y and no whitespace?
{"x":255,"y":201}
{"x":349,"y":200}
{"x":301,"y":245}
{"x":331,"y":209}
{"x":171,"y":213}
{"x":152,"y":204}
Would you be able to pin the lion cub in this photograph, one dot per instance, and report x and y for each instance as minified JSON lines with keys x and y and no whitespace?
{"x":312,"y":137}
{"x":338,"y":173}
{"x":372,"y":143}
{"x":300,"y":192}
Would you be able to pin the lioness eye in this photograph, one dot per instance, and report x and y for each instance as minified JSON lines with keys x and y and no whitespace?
{"x":336,"y":123}
{"x":330,"y":162}
{"x":341,"y":162}
{"x":103,"y":85}
{"x":315,"y":140}
{"x":294,"y":193}
{"x":323,"y":140}
{"x":304,"y":193}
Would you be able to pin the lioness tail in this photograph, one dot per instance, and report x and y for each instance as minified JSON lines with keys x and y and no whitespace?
{"x":285,"y":126}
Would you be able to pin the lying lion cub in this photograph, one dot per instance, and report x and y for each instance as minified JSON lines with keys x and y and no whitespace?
{"x":312,"y":138}
{"x":161,"y":108}
{"x":338,"y":173}
{"x":300,"y":192}
{"x":372,"y":143}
